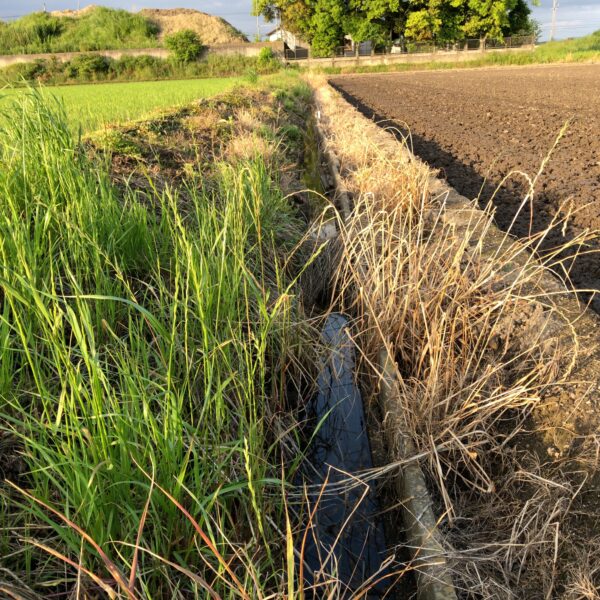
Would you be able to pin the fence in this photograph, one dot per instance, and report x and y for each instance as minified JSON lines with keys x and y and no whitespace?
{"x":406,"y":47}
{"x":297,"y":54}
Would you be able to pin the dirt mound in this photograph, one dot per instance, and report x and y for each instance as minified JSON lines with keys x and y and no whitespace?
{"x":74,"y":13}
{"x":211,"y":29}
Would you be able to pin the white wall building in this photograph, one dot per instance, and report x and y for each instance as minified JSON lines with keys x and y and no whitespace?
{"x":291,"y":40}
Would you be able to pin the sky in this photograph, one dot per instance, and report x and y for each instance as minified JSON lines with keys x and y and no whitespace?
{"x":574,"y":17}
{"x":237,"y":12}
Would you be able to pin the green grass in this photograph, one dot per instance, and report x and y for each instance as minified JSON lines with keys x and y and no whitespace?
{"x":99,"y":29}
{"x":143,"y":342}
{"x":93,"y":106}
{"x":584,"y":49}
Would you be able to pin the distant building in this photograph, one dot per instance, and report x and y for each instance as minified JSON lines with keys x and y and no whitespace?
{"x":292,"y":44}
{"x":275,"y":35}
{"x":352,"y":48}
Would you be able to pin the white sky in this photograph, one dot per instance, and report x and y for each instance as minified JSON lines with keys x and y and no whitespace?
{"x":575,"y":17}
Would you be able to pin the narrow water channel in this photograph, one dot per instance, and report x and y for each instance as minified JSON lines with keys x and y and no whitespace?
{"x":347,"y":537}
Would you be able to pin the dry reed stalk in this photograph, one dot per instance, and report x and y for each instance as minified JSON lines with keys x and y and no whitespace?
{"x":479,"y":342}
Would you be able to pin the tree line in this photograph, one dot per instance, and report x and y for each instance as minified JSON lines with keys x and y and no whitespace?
{"x":324,"y":23}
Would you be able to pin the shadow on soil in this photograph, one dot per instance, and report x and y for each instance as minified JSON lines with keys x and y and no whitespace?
{"x":506,"y":197}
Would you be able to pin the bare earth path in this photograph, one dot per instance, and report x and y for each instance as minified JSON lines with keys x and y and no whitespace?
{"x":477,"y":126}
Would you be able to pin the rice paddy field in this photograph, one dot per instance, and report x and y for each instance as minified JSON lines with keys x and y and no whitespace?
{"x":97,"y":105}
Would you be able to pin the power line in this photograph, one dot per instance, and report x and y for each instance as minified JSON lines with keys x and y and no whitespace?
{"x":567,"y":26}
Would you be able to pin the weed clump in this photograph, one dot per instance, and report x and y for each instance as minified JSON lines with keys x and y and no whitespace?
{"x":148,"y":339}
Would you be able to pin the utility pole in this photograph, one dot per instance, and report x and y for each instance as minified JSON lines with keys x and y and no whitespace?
{"x":553,"y":28}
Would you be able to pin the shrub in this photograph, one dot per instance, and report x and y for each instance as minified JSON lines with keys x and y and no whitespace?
{"x":265,"y":57}
{"x":24,"y":71}
{"x":94,"y":67}
{"x":87,"y":66}
{"x":185,"y":45}
{"x":140,"y":67}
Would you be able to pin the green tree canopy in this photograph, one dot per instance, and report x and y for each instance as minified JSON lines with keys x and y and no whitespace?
{"x":324,"y":23}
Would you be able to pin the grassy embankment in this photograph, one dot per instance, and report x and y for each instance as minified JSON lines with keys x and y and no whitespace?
{"x":98,"y":29}
{"x":584,"y":49}
{"x":146,"y":341}
{"x":94,"y":106}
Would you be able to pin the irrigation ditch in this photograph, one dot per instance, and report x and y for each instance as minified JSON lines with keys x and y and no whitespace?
{"x":553,"y":427}
{"x":428,"y":382}
{"x":353,"y":519}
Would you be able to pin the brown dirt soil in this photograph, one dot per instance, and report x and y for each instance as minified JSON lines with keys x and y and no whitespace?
{"x":211,"y":29}
{"x":194,"y":141}
{"x":74,"y":13}
{"x":478,"y":126}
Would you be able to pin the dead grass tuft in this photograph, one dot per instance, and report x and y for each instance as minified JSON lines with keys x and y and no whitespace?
{"x":479,"y":344}
{"x":246,"y":146}
{"x":248,"y":119}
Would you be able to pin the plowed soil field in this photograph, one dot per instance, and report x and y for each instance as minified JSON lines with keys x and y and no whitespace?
{"x":479,"y":126}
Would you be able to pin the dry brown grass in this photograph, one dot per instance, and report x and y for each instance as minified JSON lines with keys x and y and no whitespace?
{"x":246,"y":141}
{"x":479,"y":343}
{"x":75,"y":13}
{"x":246,"y":146}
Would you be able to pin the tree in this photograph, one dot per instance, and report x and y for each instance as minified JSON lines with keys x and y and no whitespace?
{"x":324,"y":23}
{"x":435,"y":20}
{"x":521,"y":23}
{"x":326,"y":26}
{"x":185,"y":45}
{"x":498,"y":18}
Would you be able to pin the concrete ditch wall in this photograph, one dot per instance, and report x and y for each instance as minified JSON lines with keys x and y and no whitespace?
{"x":221,"y":49}
{"x":432,"y":576}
